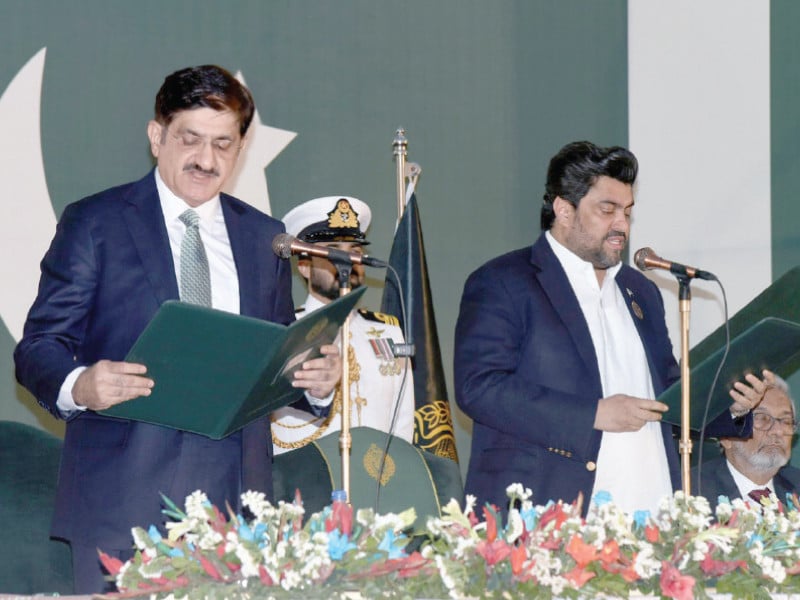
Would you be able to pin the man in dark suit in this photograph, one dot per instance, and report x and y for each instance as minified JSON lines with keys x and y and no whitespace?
{"x":560,"y":348}
{"x":115,"y":258}
{"x":751,"y":467}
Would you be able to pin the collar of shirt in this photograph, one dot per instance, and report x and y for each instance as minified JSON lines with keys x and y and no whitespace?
{"x":745,"y":484}
{"x":311,"y":304}
{"x":173,"y":206}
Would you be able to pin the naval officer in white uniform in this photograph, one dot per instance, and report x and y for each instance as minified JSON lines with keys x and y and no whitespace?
{"x":379,"y":382}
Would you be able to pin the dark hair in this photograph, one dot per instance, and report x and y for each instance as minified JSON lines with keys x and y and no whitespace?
{"x":576,"y":168}
{"x":206,"y":86}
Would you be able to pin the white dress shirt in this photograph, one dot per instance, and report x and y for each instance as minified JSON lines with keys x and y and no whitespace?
{"x":745,"y":485}
{"x":631,"y":466}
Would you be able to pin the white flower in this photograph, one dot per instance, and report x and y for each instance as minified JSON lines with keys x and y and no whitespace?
{"x":469,"y":504}
{"x":724,"y":512}
{"x":771,"y":568}
{"x":646,"y":564}
{"x":249,"y":562}
{"x":210,"y":540}
{"x":699,"y":550}
{"x":516,"y":491}
{"x":256,"y":503}
{"x":196,"y":505}
{"x":515,"y":527}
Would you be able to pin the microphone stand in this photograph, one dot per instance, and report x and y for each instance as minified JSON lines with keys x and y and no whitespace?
{"x":344,"y":269}
{"x":685,"y":446}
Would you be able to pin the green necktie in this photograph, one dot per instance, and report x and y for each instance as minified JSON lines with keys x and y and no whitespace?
{"x":195,"y":279}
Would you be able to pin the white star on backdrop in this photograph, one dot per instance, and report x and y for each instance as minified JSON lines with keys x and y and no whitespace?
{"x":249,"y":181}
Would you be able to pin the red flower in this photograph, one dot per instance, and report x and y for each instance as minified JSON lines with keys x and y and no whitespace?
{"x":264,"y":576}
{"x":623,"y":567}
{"x":341,"y":518}
{"x":408,"y":566}
{"x":794,"y":569}
{"x":298,"y":500}
{"x":111,"y":564}
{"x":493,"y":552}
{"x":610,"y":552}
{"x":651,"y":533}
{"x":578,"y":576}
{"x":518,"y":555}
{"x":554,"y":513}
{"x":629,"y":573}
{"x":716,"y":568}
{"x":208,"y":567}
{"x":491,"y":524}
{"x":581,"y":552}
{"x":473,"y":518}
{"x":675,"y":585}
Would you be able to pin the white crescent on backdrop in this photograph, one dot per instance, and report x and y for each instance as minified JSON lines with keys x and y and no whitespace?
{"x":29,"y":221}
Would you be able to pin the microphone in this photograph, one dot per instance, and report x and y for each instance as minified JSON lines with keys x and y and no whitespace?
{"x":646,"y":258}
{"x":284,"y":245}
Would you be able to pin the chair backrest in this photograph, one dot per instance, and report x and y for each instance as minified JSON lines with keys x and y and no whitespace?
{"x":408,"y":476}
{"x":30,"y":562}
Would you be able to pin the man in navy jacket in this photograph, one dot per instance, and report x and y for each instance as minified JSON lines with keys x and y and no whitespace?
{"x":114,"y":260}
{"x":757,"y":464}
{"x":560,"y":350}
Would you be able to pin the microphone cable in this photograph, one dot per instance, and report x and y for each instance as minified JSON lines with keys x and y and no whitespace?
{"x":714,"y":382}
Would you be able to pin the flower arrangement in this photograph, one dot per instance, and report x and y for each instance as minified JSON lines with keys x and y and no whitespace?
{"x":745,"y":550}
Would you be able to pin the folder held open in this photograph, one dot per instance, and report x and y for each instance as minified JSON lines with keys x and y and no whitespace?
{"x":215,"y":371}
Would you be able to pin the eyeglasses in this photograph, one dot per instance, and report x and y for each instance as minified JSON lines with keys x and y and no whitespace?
{"x":764,"y":422}
{"x":223,"y":146}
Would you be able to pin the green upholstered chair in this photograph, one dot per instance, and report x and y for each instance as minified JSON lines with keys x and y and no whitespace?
{"x":30,"y":562}
{"x":410,"y":476}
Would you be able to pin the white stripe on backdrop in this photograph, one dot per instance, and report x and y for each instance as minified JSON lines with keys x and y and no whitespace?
{"x":699,"y":99}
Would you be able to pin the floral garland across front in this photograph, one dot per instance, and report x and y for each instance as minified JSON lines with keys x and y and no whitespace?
{"x":746,"y":550}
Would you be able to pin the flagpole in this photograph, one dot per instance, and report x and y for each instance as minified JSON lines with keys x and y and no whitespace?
{"x":400,"y":151}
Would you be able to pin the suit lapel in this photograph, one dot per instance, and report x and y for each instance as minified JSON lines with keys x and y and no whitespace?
{"x":145,"y":221}
{"x":244,"y":246}
{"x":562,"y":298}
{"x":641,"y":315}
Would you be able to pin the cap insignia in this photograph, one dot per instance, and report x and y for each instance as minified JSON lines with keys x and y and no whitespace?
{"x":343,"y":216}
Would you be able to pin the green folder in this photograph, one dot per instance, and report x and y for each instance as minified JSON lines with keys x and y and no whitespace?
{"x":215,"y":371}
{"x":765,"y":334}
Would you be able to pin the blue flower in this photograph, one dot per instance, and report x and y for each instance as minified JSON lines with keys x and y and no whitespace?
{"x":722,"y":499}
{"x":176,"y":553}
{"x":753,"y":539}
{"x":154,"y":534}
{"x":249,"y":534}
{"x":640,"y":518}
{"x":388,"y":544}
{"x":245,"y":533}
{"x":529,"y":518}
{"x":338,"y":544}
{"x":602,"y":497}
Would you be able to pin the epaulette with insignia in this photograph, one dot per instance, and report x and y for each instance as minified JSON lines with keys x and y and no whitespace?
{"x":379,"y":317}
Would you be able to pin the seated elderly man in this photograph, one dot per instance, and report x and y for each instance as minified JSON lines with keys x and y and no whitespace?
{"x":753,"y":467}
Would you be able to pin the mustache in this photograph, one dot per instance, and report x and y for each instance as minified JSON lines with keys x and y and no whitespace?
{"x":615,"y":233}
{"x":199,"y":169}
